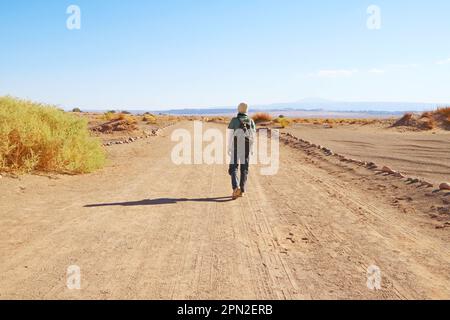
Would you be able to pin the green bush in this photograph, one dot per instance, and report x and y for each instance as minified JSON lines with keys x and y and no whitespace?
{"x":36,"y":137}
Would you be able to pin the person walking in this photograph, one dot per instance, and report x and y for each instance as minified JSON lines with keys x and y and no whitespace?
{"x":242,"y":133}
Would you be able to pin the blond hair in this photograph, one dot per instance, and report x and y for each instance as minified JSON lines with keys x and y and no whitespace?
{"x":243,"y":108}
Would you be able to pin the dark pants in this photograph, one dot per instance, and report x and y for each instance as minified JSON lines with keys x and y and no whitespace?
{"x":240,"y":159}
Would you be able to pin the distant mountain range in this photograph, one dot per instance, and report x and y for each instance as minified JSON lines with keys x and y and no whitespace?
{"x":354,"y":106}
{"x":317,"y":105}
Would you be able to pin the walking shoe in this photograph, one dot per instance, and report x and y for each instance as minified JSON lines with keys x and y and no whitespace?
{"x":236,"y":193}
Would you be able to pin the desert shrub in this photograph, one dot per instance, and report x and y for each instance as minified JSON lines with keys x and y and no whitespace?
{"x":149,"y":118}
{"x":123,"y":116}
{"x":427,"y":114}
{"x":109,"y":115}
{"x":36,"y":137}
{"x":444,"y":112}
{"x":444,"y":115}
{"x":261,"y":117}
{"x":112,"y":116}
{"x":78,"y":110}
{"x":283,"y":122}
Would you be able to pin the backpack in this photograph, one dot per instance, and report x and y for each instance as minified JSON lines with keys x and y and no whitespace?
{"x":246,"y":129}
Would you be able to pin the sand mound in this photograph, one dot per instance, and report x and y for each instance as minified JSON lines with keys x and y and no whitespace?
{"x":426,"y":121}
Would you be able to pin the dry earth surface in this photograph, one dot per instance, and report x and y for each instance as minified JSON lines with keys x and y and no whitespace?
{"x":143,"y":228}
{"x":424,"y":154}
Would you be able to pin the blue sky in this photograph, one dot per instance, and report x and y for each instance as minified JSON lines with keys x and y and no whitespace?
{"x":203,"y":53}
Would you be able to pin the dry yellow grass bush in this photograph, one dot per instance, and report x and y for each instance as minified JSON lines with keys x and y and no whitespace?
{"x":444,"y":112}
{"x":283,"y":122}
{"x":262,"y":117}
{"x":149,"y":118}
{"x":36,"y":137}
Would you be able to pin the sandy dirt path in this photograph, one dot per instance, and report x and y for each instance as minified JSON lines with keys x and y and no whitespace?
{"x":144,"y":228}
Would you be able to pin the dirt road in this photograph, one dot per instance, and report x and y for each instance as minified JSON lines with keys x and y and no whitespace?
{"x":144,"y":228}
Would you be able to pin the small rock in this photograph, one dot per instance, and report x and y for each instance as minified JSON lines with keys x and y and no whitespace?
{"x":426,"y":184}
{"x":399,"y":175}
{"x":414,"y":180}
{"x":387,"y":170}
{"x":444,"y":186}
{"x":443,"y":210}
{"x":371,"y":165}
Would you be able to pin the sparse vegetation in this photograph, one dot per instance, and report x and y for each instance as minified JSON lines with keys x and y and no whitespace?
{"x":336,"y":121}
{"x":130,"y":119}
{"x":261,"y":117}
{"x":36,"y":137}
{"x":76,"y":110}
{"x":445,"y":112}
{"x":117,"y":122}
{"x":109,"y":115}
{"x":283,"y":122}
{"x":112,"y":116}
{"x":217,"y":119}
{"x":444,"y":115}
{"x":149,"y":118}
